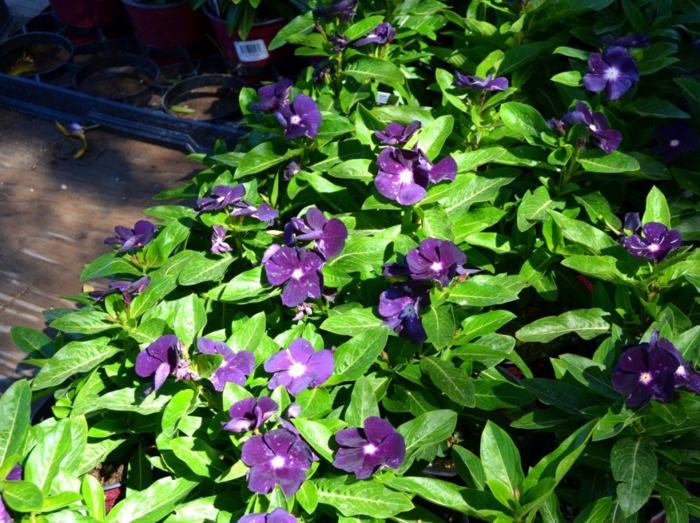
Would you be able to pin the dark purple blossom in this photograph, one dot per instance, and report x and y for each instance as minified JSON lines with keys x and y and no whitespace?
{"x":298,"y":268}
{"x":322,"y":72}
{"x":329,"y":235}
{"x":5,"y":516}
{"x":236,"y":367}
{"x":299,"y":367}
{"x":675,"y":140}
{"x":614,"y":72}
{"x":163,"y":358}
{"x":608,"y":140}
{"x":273,"y":96}
{"x":685,"y":375}
{"x":400,"y":306}
{"x":262,"y":212}
{"x":638,"y":40}
{"x":129,"y":239}
{"x":15,"y":474}
{"x":250,"y":414}
{"x":404,"y":174}
{"x":395,"y":133}
{"x":128,"y":289}
{"x":222,"y":197}
{"x":345,"y":10}
{"x":653,"y":241}
{"x":642,"y":374}
{"x":438,"y":260}
{"x":489,"y":83}
{"x":300,"y":118}
{"x":294,"y":410}
{"x":364,"y":450}
{"x":218,"y":240}
{"x":276,"y":516}
{"x":555,"y":124}
{"x":382,"y":34}
{"x":279,"y":457}
{"x":290,"y":170}
{"x":339,"y":42}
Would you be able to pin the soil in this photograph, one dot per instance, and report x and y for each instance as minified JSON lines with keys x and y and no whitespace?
{"x":34,"y":59}
{"x":208,"y":102}
{"x":116,"y":82}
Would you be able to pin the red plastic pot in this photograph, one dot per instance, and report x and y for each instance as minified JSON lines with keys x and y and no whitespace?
{"x":164,"y":26}
{"x":254,"y":50}
{"x":86,"y":14}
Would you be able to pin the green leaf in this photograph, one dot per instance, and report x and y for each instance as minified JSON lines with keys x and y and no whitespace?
{"x":533,"y":208}
{"x":523,"y":119}
{"x":43,"y":464}
{"x":570,"y":78}
{"x":361,"y":498}
{"x":362,"y":27}
{"x":657,"y":208}
{"x":108,"y":264}
{"x":314,"y":403}
{"x":467,"y":189}
{"x":71,"y":359}
{"x":484,"y":323}
{"x":22,"y":496}
{"x":152,"y":504}
{"x":439,"y":324}
{"x":245,"y":287}
{"x":356,"y":169}
{"x":204,"y":267}
{"x":426,"y":430}
{"x":353,"y":358}
{"x":610,"y":163}
{"x":654,"y":108}
{"x":501,"y":459}
{"x":302,"y":24}
{"x":363,"y":254}
{"x":367,"y":69}
{"x":94,"y":497}
{"x":199,"y":457}
{"x":129,"y":400}
{"x":316,"y":434}
{"x":586,"y":323}
{"x":31,"y":340}
{"x":438,"y":492}
{"x":470,"y":160}
{"x":482,"y":291}
{"x":84,"y":321}
{"x":177,"y":408}
{"x":307,"y":496}
{"x":597,"y":511}
{"x":583,"y":233}
{"x":470,"y":464}
{"x":264,"y":156}
{"x":363,"y":403}
{"x":634,"y":467}
{"x":449,"y":380}
{"x":15,"y":413}
{"x":601,"y":267}
{"x":433,"y":136}
{"x":571,"y":52}
{"x":351,"y":321}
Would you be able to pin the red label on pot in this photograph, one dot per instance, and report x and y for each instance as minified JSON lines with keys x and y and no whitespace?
{"x":251,"y":50}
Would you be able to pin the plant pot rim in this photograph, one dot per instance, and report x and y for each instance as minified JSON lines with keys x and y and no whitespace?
{"x":136,"y":3}
{"x":267,"y":21}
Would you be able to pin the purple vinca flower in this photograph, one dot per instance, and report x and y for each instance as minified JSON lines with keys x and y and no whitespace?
{"x":163,"y":358}
{"x":128,"y":289}
{"x":345,"y":10}
{"x":685,"y":375}
{"x":608,"y":140}
{"x":400,"y":306}
{"x":300,"y":118}
{"x":218,"y":240}
{"x":329,"y":235}
{"x":364,"y":450}
{"x":5,"y":516}
{"x":638,"y":40}
{"x":236,"y":367}
{"x":382,"y":34}
{"x":643,"y":374}
{"x":273,"y":96}
{"x":489,"y":83}
{"x":276,"y":516}
{"x":129,"y":239}
{"x":339,"y":42}
{"x":290,"y":170}
{"x":404,"y":174}
{"x":262,"y":212}
{"x":675,"y":140}
{"x":279,"y":457}
{"x":438,"y":260}
{"x":250,"y":414}
{"x":298,"y":268}
{"x":15,"y":474}
{"x":653,"y":241}
{"x":299,"y":367}
{"x":614,"y":72}
{"x":395,"y":133}
{"x":222,"y":196}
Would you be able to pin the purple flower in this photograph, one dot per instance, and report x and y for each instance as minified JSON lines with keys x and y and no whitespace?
{"x":15,"y":474}
{"x":364,"y":451}
{"x":631,"y":40}
{"x":5,"y":516}
{"x":162,"y":358}
{"x":345,"y":10}
{"x":685,"y":375}
{"x":218,"y":237}
{"x":299,"y":268}
{"x":654,"y":241}
{"x":299,"y":367}
{"x":643,"y":374}
{"x":276,"y":516}
{"x":339,"y":42}
{"x":395,"y":133}
{"x":222,"y":197}
{"x":250,"y":414}
{"x":290,"y":170}
{"x":129,"y":239}
{"x":300,"y":118}
{"x":278,"y":457}
{"x":674,"y":140}
{"x":400,"y":306}
{"x":438,"y":260}
{"x":263,"y":212}
{"x":382,"y":34}
{"x":128,"y":289}
{"x":489,"y":83}
{"x":236,"y":367}
{"x":328,"y":235}
{"x":608,"y":140}
{"x":404,"y":174}
{"x":614,"y":72}
{"x":273,"y":96}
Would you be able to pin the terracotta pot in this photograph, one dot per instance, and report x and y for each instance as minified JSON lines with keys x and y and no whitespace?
{"x":252,"y":51}
{"x":165,"y":26}
{"x":86,"y":14}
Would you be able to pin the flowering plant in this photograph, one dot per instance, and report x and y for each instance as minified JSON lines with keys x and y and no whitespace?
{"x":442,"y":275}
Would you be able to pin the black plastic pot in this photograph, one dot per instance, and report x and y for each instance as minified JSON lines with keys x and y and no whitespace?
{"x":207,"y":97}
{"x":35,"y":54}
{"x":122,"y":77}
{"x":5,"y":19}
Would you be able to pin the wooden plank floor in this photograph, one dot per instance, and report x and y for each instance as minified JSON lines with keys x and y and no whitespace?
{"x":55,"y":211}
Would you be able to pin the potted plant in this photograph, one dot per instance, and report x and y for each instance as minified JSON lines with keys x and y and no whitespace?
{"x":244,"y":28}
{"x":164,"y":24}
{"x":86,"y":14}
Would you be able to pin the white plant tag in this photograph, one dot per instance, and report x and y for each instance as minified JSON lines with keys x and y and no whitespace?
{"x":251,"y":50}
{"x":382,"y":97}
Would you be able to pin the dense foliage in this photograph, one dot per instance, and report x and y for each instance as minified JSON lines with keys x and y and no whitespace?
{"x":449,"y":271}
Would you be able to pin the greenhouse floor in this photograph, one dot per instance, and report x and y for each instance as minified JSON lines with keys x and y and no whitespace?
{"x":55,"y":211}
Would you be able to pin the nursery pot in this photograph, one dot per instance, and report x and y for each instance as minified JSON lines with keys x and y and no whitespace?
{"x":164,"y":26}
{"x":86,"y":14}
{"x":252,"y":51}
{"x":123,"y":77}
{"x":205,"y":97}
{"x":34,"y":54}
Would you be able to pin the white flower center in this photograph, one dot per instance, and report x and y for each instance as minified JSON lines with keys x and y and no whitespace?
{"x":653,"y":247}
{"x":612,"y":73}
{"x":297,"y":274}
{"x":680,"y":371}
{"x":674,"y":143}
{"x":277,"y":462}
{"x":295,"y":119}
{"x":593,"y":128}
{"x":645,"y":378}
{"x":369,"y":449}
{"x":436,"y":267}
{"x":297,"y":370}
{"x":406,"y":176}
